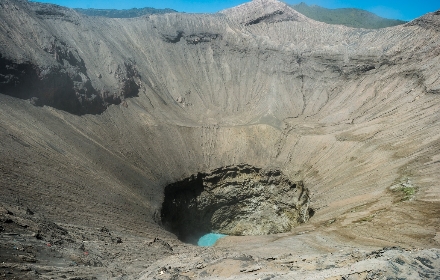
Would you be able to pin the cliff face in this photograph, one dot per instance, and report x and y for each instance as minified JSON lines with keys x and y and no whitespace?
{"x":41,"y":62}
{"x":83,"y":64}
{"x":99,"y":115}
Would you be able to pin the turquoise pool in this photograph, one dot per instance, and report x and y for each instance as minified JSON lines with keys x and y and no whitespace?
{"x":209,"y":239}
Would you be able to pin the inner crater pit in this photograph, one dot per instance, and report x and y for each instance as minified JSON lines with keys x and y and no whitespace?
{"x":234,"y":200}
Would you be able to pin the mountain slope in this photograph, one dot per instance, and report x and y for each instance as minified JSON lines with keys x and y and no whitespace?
{"x":347,"y":16}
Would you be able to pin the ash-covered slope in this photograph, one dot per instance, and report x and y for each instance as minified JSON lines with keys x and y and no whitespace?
{"x":133,"y":105}
{"x":127,"y":13}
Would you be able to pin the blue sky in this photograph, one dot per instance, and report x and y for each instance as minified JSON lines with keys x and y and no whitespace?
{"x":397,"y":9}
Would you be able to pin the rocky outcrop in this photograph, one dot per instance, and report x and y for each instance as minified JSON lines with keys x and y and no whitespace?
{"x":55,"y":74}
{"x":428,"y":21}
{"x":191,"y":39}
{"x":53,"y":86}
{"x":65,"y":85}
{"x":234,"y":200}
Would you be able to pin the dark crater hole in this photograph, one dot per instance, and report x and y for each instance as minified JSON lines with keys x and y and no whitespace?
{"x":234,"y":200}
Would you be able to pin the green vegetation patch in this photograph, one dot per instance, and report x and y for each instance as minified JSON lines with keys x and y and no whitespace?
{"x":405,"y":189}
{"x":347,"y":16}
{"x":408,"y":192}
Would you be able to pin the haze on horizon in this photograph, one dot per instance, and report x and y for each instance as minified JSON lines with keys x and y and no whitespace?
{"x":393,"y":9}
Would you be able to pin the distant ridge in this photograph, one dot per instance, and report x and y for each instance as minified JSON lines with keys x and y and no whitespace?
{"x":346,"y":16}
{"x":129,"y":13}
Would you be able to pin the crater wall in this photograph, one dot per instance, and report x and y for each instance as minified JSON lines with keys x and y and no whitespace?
{"x":149,"y":101}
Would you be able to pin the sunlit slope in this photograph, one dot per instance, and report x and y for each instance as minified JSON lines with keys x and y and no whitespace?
{"x":351,"y":112}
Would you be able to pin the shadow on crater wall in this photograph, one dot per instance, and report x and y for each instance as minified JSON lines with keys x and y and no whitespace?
{"x":234,"y":200}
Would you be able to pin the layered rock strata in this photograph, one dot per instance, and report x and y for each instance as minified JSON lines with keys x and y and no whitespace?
{"x":234,"y":200}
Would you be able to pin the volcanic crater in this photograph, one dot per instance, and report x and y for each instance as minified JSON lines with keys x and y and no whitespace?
{"x":234,"y":200}
{"x":316,"y":147}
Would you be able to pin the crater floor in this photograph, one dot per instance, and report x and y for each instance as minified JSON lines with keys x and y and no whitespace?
{"x":103,"y":120}
{"x":234,"y":200}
